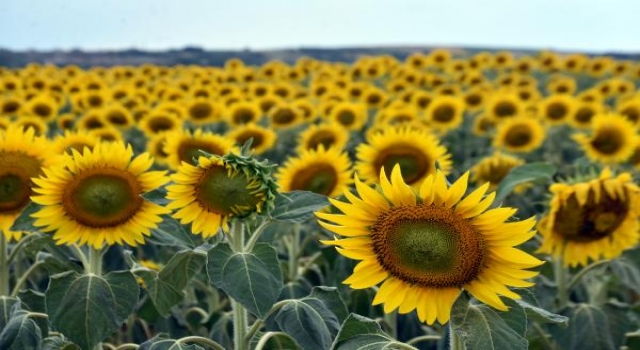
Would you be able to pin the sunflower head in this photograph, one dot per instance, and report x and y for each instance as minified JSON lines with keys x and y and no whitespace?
{"x":494,"y":169}
{"x":612,"y":140}
{"x":425,"y":246}
{"x":219,"y":188}
{"x":591,"y":219}
{"x":519,"y":135}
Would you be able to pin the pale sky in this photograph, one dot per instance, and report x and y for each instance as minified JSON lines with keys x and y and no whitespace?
{"x":595,"y":26}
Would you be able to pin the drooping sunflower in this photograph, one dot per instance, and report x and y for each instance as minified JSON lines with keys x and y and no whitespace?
{"x":445,"y":112}
{"x":323,"y":171}
{"x":262,"y":138}
{"x":94,"y":197}
{"x":591,"y":220}
{"x":326,"y":134}
{"x":217,"y":189}
{"x":185,"y":146}
{"x":352,"y":116}
{"x":23,"y":155}
{"x":519,"y":135}
{"x":418,"y":153}
{"x":494,"y":169}
{"x":424,"y":247}
{"x":612,"y":140}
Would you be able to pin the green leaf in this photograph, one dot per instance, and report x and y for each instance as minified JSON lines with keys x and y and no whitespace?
{"x":58,"y":343}
{"x":252,"y":279}
{"x":480,"y":327}
{"x":330,"y":296}
{"x":7,"y":307}
{"x":308,"y":321}
{"x":24,"y":221}
{"x":162,"y":341}
{"x":20,"y":333}
{"x":297,"y":206}
{"x":171,"y":233}
{"x":358,"y":332}
{"x":88,"y":308}
{"x":525,"y":173}
{"x":588,"y":329}
{"x":166,"y":288}
{"x":280,"y":341}
{"x":535,"y":312}
{"x":157,"y":196}
{"x":627,"y":271}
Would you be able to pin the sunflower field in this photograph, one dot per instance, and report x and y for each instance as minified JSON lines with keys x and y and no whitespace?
{"x":446,"y":200}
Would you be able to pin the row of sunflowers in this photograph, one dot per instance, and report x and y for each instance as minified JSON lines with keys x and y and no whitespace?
{"x":446,"y":200}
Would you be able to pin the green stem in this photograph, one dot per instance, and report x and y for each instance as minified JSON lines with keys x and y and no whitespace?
{"x":455,"y":342}
{"x":255,"y":327}
{"x":391,"y":319}
{"x":80,"y":255}
{"x":25,"y":277}
{"x":200,"y":340}
{"x":255,"y":235}
{"x":4,"y":266}
{"x":583,"y":272}
{"x":294,"y":247}
{"x":544,"y":338}
{"x":422,"y":338}
{"x":239,"y":312}
{"x":94,"y":262}
{"x":265,"y":338}
{"x":560,"y":273}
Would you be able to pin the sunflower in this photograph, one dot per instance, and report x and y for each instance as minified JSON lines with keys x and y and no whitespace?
{"x":243,"y":112}
{"x":94,"y":197}
{"x":155,"y":147}
{"x":42,"y":106}
{"x":203,"y":111}
{"x":556,"y":109}
{"x":631,"y":110}
{"x":612,"y":140}
{"x":73,"y":140}
{"x":562,"y":85}
{"x":445,"y":112}
{"x":475,"y":99}
{"x":352,"y":116}
{"x":574,"y":63}
{"x":32,"y":122}
{"x":185,"y":146}
{"x":483,"y":124}
{"x":591,"y":220}
{"x":22,"y":157}
{"x":158,"y":121}
{"x":323,"y":171}
{"x":494,"y":169}
{"x":421,"y":99}
{"x":425,"y":247}
{"x":417,"y":152}
{"x":307,"y":109}
{"x":10,"y":105}
{"x":118,"y":116}
{"x":262,"y":138}
{"x":584,"y":113}
{"x":107,"y":134}
{"x":503,"y":105}
{"x":217,"y":189}
{"x":519,"y":135}
{"x":326,"y":135}
{"x":92,"y":99}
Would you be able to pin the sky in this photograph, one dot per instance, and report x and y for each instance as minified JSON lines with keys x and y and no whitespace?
{"x":569,"y":25}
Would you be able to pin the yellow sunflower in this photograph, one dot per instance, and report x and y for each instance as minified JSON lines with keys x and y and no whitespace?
{"x":483,"y":125}
{"x":327,"y":134}
{"x":23,"y":155}
{"x":424,"y":247}
{"x":352,"y":116}
{"x":631,"y":110}
{"x":42,"y":106}
{"x":519,"y":135}
{"x":185,"y":146}
{"x":73,"y":140}
{"x":217,"y":189}
{"x":155,"y":147}
{"x":445,"y":112}
{"x":32,"y":122}
{"x":591,"y":220}
{"x":284,"y":116}
{"x":203,"y":111}
{"x":10,"y":105}
{"x":584,"y":113}
{"x":159,"y":121}
{"x":494,"y":169}
{"x":503,"y":105}
{"x":118,"y":116}
{"x":243,"y":112}
{"x":417,"y":152}
{"x":557,"y":109}
{"x":323,"y":171}
{"x":263,"y":138}
{"x":612,"y":140}
{"x":94,"y":197}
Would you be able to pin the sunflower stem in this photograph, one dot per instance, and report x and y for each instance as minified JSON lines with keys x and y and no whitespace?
{"x":4,"y":266}
{"x":294,"y":247}
{"x":25,"y":277}
{"x":94,"y":265}
{"x":455,"y":342}
{"x":560,"y":273}
{"x":239,"y":312}
{"x":391,"y":319}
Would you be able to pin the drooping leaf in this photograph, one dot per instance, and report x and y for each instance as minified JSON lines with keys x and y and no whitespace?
{"x":525,"y":173}
{"x":330,"y":296}
{"x":536,"y":313}
{"x":588,"y":329}
{"x":297,"y":206}
{"x":252,"y":279}
{"x":20,"y":333}
{"x":481,"y":327}
{"x":88,"y":308}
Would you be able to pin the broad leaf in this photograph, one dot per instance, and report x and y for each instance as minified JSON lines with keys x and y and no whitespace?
{"x":525,"y":173}
{"x":24,"y":221}
{"x":162,"y":341}
{"x":588,"y":329}
{"x":297,"y":206}
{"x":58,"y":343}
{"x":330,"y":296}
{"x":171,"y":233}
{"x":358,"y":332}
{"x":20,"y":333}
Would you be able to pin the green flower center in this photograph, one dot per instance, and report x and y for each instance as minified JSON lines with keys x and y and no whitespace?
{"x":227,"y":192}
{"x":102,"y":197}
{"x":320,"y":178}
{"x":428,"y":245}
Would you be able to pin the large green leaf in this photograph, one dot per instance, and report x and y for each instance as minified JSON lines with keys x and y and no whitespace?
{"x":88,"y":308}
{"x":252,"y":279}
{"x":525,"y":173}
{"x":171,"y":233}
{"x":58,"y":343}
{"x":166,"y":288}
{"x":162,"y":341}
{"x":276,"y":341}
{"x":534,"y":312}
{"x":481,"y":327}
{"x":330,"y":296}
{"x":308,"y":321}
{"x":7,"y":307}
{"x":588,"y":329}
{"x":358,"y":332}
{"x":297,"y":206}
{"x":20,"y":333}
